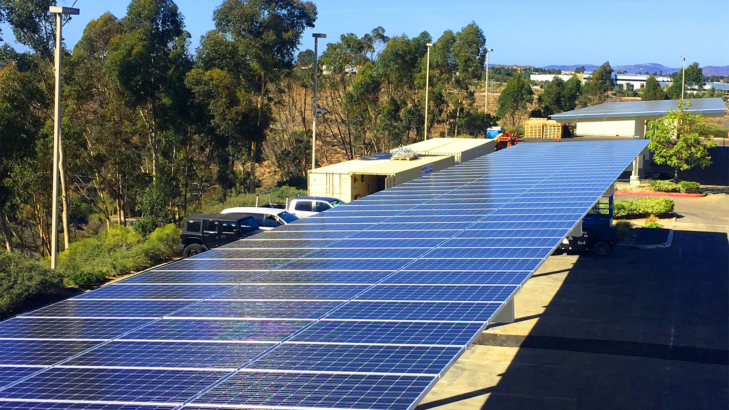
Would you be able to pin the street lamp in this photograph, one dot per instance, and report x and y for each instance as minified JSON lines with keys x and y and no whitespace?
{"x":683,"y":76}
{"x":316,"y":36}
{"x":59,"y":13}
{"x":427,"y":84}
{"x":486,"y":104}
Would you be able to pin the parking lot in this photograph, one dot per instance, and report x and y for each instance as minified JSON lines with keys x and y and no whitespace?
{"x":640,"y":329}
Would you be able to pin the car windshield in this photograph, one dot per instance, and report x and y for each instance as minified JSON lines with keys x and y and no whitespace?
{"x":287,"y":217}
{"x":335,"y":203}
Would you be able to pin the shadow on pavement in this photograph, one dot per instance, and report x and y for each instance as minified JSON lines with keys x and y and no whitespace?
{"x":638,"y":329}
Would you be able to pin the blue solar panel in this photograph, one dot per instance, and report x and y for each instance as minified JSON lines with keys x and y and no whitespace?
{"x":451,"y":334}
{"x":490,"y":253}
{"x":496,"y":293}
{"x":414,"y":311}
{"x":170,"y":355}
{"x":94,"y":329}
{"x":109,"y":308}
{"x":45,"y":405}
{"x":192,"y":264}
{"x":290,"y":292}
{"x":10,"y":375}
{"x":456,"y":278}
{"x":474,"y":264}
{"x":344,"y":264}
{"x":257,"y":310}
{"x":341,"y":310}
{"x":218,"y":330}
{"x":360,"y":359}
{"x":156,"y":276}
{"x":150,"y":386}
{"x":39,"y":352}
{"x":238,"y":253}
{"x":349,"y":277}
{"x":154,"y":292}
{"x":367,"y":253}
{"x":318,"y":390}
{"x":261,"y":243}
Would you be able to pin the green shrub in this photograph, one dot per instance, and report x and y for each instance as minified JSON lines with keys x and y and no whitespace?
{"x":118,"y":251}
{"x":25,"y":283}
{"x":689,"y":187}
{"x":642,"y":207}
{"x":653,"y":225}
{"x":162,"y":244}
{"x":664,"y":186}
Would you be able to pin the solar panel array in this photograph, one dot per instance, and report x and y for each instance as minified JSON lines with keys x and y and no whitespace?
{"x":362,"y":307}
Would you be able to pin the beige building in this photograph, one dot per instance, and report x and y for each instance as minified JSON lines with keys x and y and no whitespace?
{"x":357,"y":178}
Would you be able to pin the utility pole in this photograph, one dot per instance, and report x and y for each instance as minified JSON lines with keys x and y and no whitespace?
{"x":427,"y":84}
{"x":486,"y":104}
{"x":683,"y":76}
{"x":59,"y":13}
{"x":316,"y":36}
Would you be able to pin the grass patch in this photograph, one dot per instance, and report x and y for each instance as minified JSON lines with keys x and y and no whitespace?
{"x":652,"y":225}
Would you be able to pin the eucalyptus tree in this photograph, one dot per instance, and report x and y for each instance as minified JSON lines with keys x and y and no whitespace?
{"x":265,"y":35}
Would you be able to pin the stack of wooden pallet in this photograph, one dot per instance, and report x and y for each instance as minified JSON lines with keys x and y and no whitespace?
{"x":542,"y":128}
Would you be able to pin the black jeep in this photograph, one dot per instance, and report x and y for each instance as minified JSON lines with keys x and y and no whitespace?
{"x":203,"y":232}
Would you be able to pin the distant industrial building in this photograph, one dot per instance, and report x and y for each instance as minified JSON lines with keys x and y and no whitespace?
{"x":637,"y":81}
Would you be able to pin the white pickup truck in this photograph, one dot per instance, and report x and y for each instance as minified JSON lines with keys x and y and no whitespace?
{"x":305,"y":206}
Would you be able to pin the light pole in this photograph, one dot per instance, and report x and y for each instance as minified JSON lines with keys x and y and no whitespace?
{"x":683,"y":76}
{"x":59,"y":13}
{"x":486,"y":104}
{"x":316,"y":36}
{"x":427,"y":84}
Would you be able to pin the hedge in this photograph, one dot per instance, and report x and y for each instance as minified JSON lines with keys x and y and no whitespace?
{"x":642,"y":207}
{"x":25,"y":283}
{"x":116,"y":252}
{"x":670,"y":186}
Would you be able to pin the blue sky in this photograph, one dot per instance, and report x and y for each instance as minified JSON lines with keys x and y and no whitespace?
{"x":520,"y":31}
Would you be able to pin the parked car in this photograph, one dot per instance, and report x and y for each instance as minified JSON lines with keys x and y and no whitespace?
{"x":267,"y":218}
{"x":202,"y":232}
{"x":305,"y":206}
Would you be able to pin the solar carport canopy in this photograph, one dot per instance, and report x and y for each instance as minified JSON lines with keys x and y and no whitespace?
{"x":364,"y":306}
{"x":653,"y":109}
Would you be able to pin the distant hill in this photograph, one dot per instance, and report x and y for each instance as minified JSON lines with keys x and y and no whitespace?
{"x":716,"y":70}
{"x":641,"y":68}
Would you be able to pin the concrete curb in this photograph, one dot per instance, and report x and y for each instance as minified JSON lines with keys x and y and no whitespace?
{"x":659,"y":194}
{"x":666,"y":244}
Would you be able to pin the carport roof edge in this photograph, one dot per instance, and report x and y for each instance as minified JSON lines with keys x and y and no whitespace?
{"x":706,"y":106}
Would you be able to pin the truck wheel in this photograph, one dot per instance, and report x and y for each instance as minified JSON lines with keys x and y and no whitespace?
{"x":192,"y":250}
{"x":601,"y":249}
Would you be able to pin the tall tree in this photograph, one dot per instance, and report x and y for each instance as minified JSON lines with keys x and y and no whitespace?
{"x":571,"y":93}
{"x":552,"y":97}
{"x":267,"y":34}
{"x":652,"y":90}
{"x":32,"y":24}
{"x":678,"y":139}
{"x":514,"y":99}
{"x":146,"y":62}
{"x":21,"y":103}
